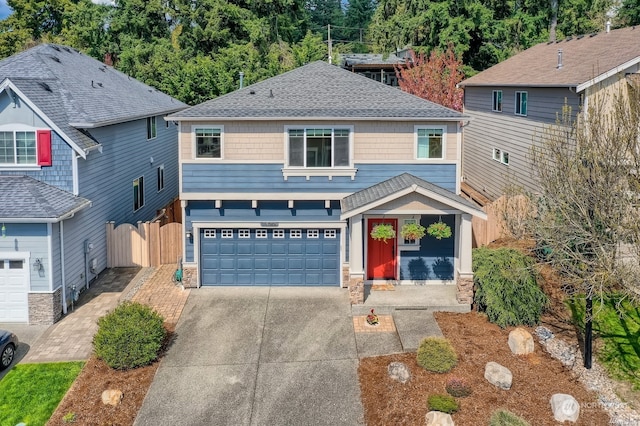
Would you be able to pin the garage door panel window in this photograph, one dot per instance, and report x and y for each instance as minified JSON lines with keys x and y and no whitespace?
{"x":313,"y":233}
{"x":244,"y":233}
{"x":227,"y":233}
{"x":295,"y":233}
{"x":278,"y":233}
{"x":261,"y":233}
{"x":209,"y":233}
{"x":16,"y":264}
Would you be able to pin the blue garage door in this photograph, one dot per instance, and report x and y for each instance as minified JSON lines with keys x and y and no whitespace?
{"x":270,"y":257}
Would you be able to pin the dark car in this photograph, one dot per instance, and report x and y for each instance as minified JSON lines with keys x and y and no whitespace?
{"x":8,"y":344}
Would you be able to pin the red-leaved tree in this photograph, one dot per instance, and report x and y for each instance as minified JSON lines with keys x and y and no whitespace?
{"x":433,"y":78}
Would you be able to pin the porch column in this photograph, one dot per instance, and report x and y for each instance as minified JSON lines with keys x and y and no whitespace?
{"x":464,"y":280}
{"x":356,"y":260}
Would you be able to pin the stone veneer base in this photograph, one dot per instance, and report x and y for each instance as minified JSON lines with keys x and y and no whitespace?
{"x":45,"y":308}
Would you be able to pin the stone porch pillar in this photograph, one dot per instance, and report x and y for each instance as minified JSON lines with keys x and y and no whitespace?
{"x":464,"y":275}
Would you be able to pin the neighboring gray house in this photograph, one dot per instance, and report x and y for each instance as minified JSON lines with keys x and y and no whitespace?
{"x":80,"y":144}
{"x":375,"y":65}
{"x":513,"y":101}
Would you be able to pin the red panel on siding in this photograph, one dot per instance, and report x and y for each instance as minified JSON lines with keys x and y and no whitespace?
{"x":44,"y":147}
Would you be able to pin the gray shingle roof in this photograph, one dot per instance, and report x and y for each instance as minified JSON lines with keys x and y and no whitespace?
{"x":583,"y":58}
{"x":91,"y":93}
{"x":318,"y":91}
{"x":396,"y":184}
{"x":26,"y":198}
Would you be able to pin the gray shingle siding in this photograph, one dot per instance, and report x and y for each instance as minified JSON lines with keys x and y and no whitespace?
{"x":508,"y":132}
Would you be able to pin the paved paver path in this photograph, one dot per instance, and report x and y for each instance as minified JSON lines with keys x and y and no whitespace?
{"x":163,"y":295}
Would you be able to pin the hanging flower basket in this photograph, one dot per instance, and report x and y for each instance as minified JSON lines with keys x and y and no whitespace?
{"x":412,"y":231}
{"x":439,"y":230}
{"x":383,"y":231}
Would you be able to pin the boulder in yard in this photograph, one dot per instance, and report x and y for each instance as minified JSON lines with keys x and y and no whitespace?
{"x":437,"y":418}
{"x":399,"y":372}
{"x":112,"y":397}
{"x":498,"y":375}
{"x":520,"y":341}
{"x":564,"y":407}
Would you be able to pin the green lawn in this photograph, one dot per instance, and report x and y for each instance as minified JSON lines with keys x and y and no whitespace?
{"x":616,"y":324}
{"x":31,"y":392}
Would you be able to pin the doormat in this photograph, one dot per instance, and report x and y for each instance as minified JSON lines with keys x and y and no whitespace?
{"x":385,"y":324}
{"x":383,"y":287}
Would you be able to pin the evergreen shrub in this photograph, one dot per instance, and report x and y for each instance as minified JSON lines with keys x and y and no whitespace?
{"x":457,"y":387}
{"x":436,"y":354}
{"x":443,"y":403}
{"x":506,"y":418}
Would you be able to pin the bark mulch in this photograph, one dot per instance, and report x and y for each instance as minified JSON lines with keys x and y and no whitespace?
{"x":535,"y":378}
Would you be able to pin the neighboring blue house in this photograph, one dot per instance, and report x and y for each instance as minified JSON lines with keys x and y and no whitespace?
{"x":283,"y":181}
{"x":80,"y":144}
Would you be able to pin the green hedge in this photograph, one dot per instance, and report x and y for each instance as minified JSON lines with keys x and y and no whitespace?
{"x":130,"y":336}
{"x":506,"y":287}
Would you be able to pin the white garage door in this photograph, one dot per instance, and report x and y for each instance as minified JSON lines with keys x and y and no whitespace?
{"x":14,"y":287}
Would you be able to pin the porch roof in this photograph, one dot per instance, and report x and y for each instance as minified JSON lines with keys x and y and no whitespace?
{"x":399,"y":186}
{"x":28,"y":200}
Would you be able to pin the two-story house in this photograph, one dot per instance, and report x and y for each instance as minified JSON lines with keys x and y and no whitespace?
{"x":512,"y":102}
{"x":80,"y":144}
{"x":282,"y":182}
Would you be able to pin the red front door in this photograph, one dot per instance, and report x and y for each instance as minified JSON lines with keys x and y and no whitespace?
{"x":381,"y":256}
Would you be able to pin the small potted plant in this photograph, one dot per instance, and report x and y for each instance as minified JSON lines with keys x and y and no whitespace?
{"x":412,"y":231}
{"x":383,"y":231}
{"x":439,"y":230}
{"x":372,"y":318}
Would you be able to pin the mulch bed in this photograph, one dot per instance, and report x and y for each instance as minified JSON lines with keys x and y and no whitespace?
{"x":84,"y":398}
{"x":535,"y":378}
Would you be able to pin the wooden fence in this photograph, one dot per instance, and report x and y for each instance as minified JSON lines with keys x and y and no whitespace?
{"x":148,"y":244}
{"x":516,"y":208}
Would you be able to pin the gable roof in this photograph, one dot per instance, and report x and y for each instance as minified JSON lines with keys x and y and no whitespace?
{"x":78,"y":92}
{"x":25,"y":199}
{"x":584,"y":59}
{"x":401,"y":185}
{"x":318,"y":91}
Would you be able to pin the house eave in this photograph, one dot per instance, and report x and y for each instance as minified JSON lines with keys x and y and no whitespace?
{"x":97,"y":124}
{"x":461,"y":117}
{"x":620,"y":68}
{"x":65,"y":216}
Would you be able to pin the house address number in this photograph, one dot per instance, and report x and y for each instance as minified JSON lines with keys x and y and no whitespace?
{"x":269,"y":224}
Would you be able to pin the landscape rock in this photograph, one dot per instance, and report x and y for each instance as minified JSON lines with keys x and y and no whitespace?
{"x":498,"y":375}
{"x":564,"y":407}
{"x":520,"y":341}
{"x":437,"y":418}
{"x":112,"y":397}
{"x":543,"y":333}
{"x":399,"y":371}
{"x":562,"y":351}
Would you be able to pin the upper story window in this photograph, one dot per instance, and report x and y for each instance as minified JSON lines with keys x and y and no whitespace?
{"x":430,"y":143}
{"x":501,"y":156}
{"x":152,"y":131}
{"x":25,"y":147}
{"x":497,"y":101}
{"x":521,"y":103}
{"x":208,"y":142}
{"x":315,"y":147}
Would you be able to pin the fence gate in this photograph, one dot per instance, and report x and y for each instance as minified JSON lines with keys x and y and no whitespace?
{"x":148,"y":244}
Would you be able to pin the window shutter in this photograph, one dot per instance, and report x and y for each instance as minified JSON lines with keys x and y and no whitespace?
{"x":44,"y":147}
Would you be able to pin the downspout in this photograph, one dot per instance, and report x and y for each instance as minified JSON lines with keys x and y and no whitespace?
{"x":64,"y":284}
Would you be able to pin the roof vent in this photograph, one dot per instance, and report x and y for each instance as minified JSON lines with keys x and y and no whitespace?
{"x":45,"y":86}
{"x":55,"y":47}
{"x":559,"y":58}
{"x":252,"y":92}
{"x":55,"y":58}
{"x":271,"y":93}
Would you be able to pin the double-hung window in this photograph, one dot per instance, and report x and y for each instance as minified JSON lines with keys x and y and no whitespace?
{"x":152,"y":130}
{"x":208,"y":142}
{"x":497,"y":101}
{"x":319,"y":147}
{"x":521,"y":103}
{"x":430,"y":143}
{"x":25,"y":147}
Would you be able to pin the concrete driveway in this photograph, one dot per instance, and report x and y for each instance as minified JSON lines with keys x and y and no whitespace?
{"x":259,"y":356}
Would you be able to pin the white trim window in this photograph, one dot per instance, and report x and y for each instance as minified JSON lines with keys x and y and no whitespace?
{"x":138,"y":193}
{"x":160,"y":177}
{"x":295,"y":233}
{"x":261,"y":233}
{"x":209,"y":233}
{"x":501,"y":156}
{"x":496,"y":103}
{"x":430,"y":143}
{"x":521,"y":103}
{"x":226,"y":233}
{"x":313,"y":233}
{"x":207,"y":141}
{"x":278,"y":233}
{"x":244,"y":233}
{"x":319,"y":147}
{"x":152,"y":128}
{"x":329,"y":233}
{"x":18,"y":148}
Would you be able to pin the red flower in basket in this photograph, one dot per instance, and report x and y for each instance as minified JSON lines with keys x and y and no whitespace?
{"x":372,"y":318}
